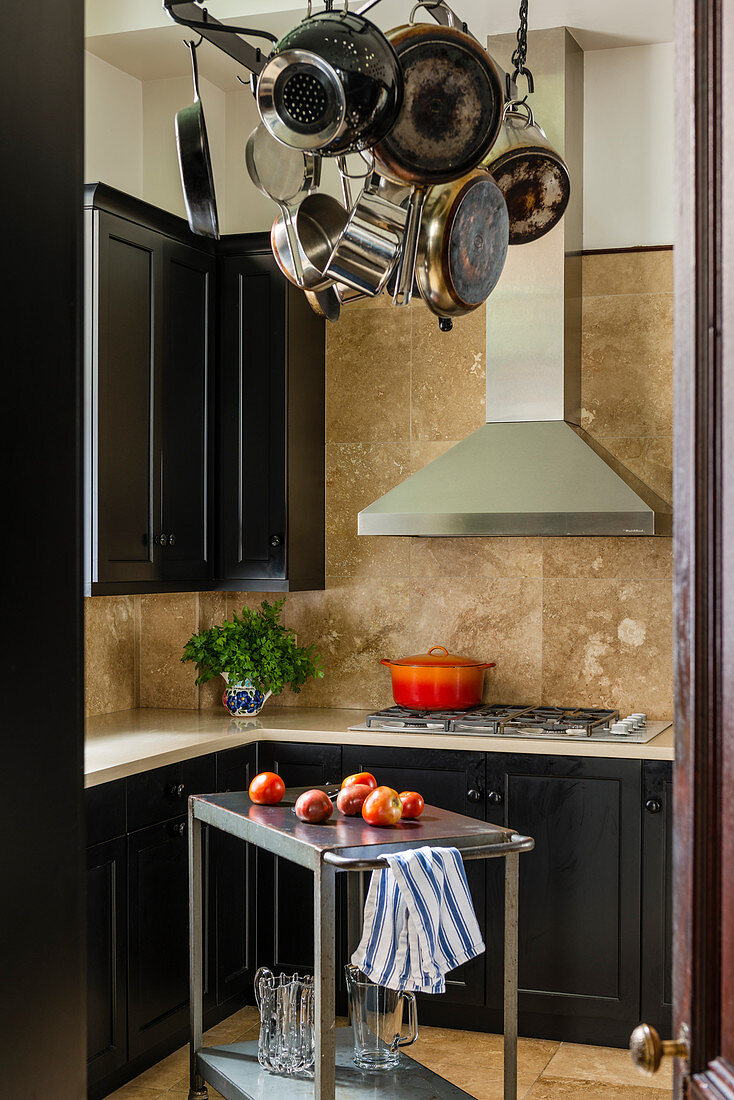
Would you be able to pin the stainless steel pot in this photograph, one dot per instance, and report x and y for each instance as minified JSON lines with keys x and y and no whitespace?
{"x":317,"y":223}
{"x":369,"y":245}
{"x":531,"y":175}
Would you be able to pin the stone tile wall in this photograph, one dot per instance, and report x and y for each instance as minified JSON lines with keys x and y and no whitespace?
{"x":566,"y":620}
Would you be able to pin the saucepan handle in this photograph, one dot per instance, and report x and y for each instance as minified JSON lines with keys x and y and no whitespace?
{"x":385,"y":661}
{"x":406,"y":266}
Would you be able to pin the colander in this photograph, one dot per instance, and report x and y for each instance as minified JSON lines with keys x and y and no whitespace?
{"x":333,"y":85}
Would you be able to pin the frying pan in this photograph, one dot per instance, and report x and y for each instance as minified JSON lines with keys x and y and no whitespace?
{"x":286,"y":176}
{"x":463,"y":244}
{"x":451,"y":115}
{"x":195,"y":164}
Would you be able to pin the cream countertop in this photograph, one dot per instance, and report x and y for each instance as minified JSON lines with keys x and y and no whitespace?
{"x":132,"y":741}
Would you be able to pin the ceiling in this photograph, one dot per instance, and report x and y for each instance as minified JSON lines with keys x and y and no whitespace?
{"x":138,"y":37}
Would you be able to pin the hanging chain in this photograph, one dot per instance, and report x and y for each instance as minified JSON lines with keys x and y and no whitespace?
{"x":520,"y":55}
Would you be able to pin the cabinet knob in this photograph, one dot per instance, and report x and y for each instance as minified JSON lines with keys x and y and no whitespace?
{"x":177,"y":790}
{"x":653,"y":806}
{"x":495,"y":798}
{"x":171,"y":540}
{"x":474,"y":795}
{"x":161,"y":540}
{"x":275,"y":541}
{"x":179,"y":828}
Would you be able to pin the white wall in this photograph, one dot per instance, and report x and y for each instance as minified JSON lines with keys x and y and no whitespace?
{"x":161,"y":179}
{"x":628,"y":146}
{"x":113,"y":127}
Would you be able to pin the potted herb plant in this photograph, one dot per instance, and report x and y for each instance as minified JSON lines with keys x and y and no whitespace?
{"x":255,"y":654}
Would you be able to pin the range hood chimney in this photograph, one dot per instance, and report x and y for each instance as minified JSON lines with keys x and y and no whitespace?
{"x":532,"y":469}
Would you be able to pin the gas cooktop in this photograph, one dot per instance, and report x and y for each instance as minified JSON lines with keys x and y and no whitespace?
{"x":497,"y":720}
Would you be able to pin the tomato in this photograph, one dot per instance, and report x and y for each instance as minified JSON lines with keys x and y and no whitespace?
{"x":314,"y":807}
{"x":362,"y":779}
{"x":412,"y":803}
{"x":267,"y":789}
{"x":382,"y":807}
{"x":351,"y":799}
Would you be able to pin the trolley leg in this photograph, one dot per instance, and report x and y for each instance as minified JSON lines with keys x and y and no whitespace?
{"x":197,"y":1087}
{"x":324,"y":882}
{"x":510,"y":1001}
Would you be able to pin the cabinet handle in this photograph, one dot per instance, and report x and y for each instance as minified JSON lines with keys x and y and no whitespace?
{"x":653,"y":806}
{"x":496,"y":798}
{"x":275,"y":541}
{"x":179,"y":828}
{"x":474,"y":795}
{"x":177,"y":790}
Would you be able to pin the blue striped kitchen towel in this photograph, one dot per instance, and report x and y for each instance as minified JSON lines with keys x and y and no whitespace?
{"x":419,"y":921}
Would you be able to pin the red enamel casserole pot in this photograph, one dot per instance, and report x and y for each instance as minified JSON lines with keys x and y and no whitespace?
{"x":437,"y":680}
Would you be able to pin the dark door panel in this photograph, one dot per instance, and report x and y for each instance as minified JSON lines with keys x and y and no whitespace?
{"x":106,"y":958}
{"x":233,"y":875}
{"x":285,"y":890}
{"x":453,"y":781}
{"x":657,"y":900}
{"x":579,"y":893}
{"x":123,"y":383}
{"x":186,"y":394}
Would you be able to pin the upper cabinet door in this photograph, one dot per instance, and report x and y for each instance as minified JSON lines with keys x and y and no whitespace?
{"x":251,"y":419}
{"x":123,"y":350}
{"x":183,"y":527}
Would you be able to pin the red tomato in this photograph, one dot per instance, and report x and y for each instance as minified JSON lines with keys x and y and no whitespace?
{"x":351,"y":799}
{"x":412,"y":803}
{"x":362,"y":779}
{"x":382,"y":807}
{"x":314,"y":807}
{"x":267,"y":789}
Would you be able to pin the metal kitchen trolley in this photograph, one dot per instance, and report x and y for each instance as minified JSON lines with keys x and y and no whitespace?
{"x":345,"y":844}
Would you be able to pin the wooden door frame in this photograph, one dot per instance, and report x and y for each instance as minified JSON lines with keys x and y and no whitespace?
{"x":703,"y":965}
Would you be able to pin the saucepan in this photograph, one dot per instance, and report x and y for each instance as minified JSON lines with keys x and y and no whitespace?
{"x":531,"y":175}
{"x":369,"y":245}
{"x":437,"y":680}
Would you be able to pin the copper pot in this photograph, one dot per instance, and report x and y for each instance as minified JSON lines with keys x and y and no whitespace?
{"x":437,"y":680}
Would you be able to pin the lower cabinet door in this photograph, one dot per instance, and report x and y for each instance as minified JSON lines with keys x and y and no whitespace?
{"x":106,"y":957}
{"x":453,"y":781}
{"x":579,"y":949}
{"x":657,"y":899}
{"x":285,"y":890}
{"x":158,"y":963}
{"x":233,"y":882}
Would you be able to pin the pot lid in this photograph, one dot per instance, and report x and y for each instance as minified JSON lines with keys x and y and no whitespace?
{"x":438,"y":657}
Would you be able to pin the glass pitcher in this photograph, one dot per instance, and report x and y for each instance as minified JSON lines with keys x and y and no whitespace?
{"x":286,"y":1003}
{"x":377,"y":1021}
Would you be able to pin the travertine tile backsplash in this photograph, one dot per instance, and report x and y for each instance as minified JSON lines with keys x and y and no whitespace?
{"x":581,"y":620}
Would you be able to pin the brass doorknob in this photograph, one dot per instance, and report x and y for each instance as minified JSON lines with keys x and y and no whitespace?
{"x":648,"y":1049}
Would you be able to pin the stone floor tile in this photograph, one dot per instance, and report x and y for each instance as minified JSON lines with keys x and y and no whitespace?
{"x":559,"y":1088}
{"x":607,"y":1065}
{"x":164,"y":1075}
{"x":134,"y":1091}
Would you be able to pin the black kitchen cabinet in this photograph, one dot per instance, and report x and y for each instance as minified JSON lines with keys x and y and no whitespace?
{"x":158,"y":970}
{"x":106,"y":958}
{"x":233,"y":887}
{"x":579,"y":949}
{"x":454,"y":781}
{"x":657,"y":901}
{"x":284,"y":888}
{"x":270,"y":425}
{"x":148,"y":398}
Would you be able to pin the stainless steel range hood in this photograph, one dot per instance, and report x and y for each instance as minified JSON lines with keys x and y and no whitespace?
{"x":531,"y":470}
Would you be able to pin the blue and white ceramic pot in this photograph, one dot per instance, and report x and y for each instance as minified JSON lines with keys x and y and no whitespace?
{"x":243,"y":698}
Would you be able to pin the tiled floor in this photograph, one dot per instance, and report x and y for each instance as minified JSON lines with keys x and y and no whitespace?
{"x":547,"y":1070}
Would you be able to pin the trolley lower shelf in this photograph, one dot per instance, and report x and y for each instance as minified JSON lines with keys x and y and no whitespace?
{"x":234,"y":1071}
